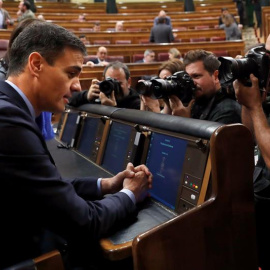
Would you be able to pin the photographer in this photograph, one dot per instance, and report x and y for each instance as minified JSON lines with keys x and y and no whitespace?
{"x":123,"y":96}
{"x":211,"y":101}
{"x":254,"y":117}
{"x":166,"y":70}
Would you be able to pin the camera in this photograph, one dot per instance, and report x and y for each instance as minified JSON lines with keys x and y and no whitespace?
{"x":109,"y":85}
{"x":257,"y":62}
{"x":179,"y":84}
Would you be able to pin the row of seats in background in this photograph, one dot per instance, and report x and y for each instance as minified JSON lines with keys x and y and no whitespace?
{"x":146,"y":41}
{"x":139,"y":56}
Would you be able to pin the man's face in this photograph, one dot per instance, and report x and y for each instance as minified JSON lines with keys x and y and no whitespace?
{"x":21,"y":6}
{"x":119,"y":75}
{"x":56,"y":83}
{"x":206,"y":84}
{"x":150,"y":58}
{"x":102,"y":53}
{"x":96,"y":28}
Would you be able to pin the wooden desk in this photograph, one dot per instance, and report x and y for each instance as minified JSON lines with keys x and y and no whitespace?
{"x":128,"y":50}
{"x":217,"y":234}
{"x":191,"y":23}
{"x":266,"y":22}
{"x":56,"y":16}
{"x":136,"y":37}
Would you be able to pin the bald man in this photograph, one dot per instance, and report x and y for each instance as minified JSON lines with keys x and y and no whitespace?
{"x":100,"y":60}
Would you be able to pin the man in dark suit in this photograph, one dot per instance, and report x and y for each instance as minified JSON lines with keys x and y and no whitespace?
{"x":44,"y":68}
{"x":100,"y":60}
{"x":161,"y":33}
{"x":148,"y":57}
{"x":162,"y":14}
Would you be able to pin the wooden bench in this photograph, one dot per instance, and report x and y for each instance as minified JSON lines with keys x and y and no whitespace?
{"x":236,"y":47}
{"x":190,"y":23}
{"x":55,"y":16}
{"x":266,"y":22}
{"x":136,"y":37}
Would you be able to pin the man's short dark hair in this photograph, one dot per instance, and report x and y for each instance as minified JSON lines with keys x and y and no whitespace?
{"x":161,"y":20}
{"x":117,"y":65}
{"x":210,"y":61}
{"x":46,"y":38}
{"x":27,"y":4}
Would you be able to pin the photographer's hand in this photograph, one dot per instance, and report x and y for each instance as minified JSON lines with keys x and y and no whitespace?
{"x":250,"y":97}
{"x":178,"y":107}
{"x":108,"y":101}
{"x":253,"y":115}
{"x":93,"y":92}
{"x":149,"y":104}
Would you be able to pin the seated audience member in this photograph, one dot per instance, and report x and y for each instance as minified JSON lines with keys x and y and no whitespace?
{"x":96,"y":27}
{"x":224,"y":12}
{"x":256,"y":116}
{"x":100,"y":60}
{"x":119,"y":26}
{"x":84,"y":39}
{"x":232,"y":31}
{"x":122,"y":97}
{"x":162,"y":14}
{"x":24,"y":11}
{"x":148,"y":57}
{"x":5,"y":19}
{"x":75,"y":210}
{"x":44,"y":120}
{"x":211,"y":101}
{"x":161,"y":33}
{"x":174,"y":53}
{"x":81,"y":18}
{"x":166,"y":70}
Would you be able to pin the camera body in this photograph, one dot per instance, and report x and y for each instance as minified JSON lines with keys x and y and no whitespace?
{"x":256,"y":62}
{"x":109,"y":85}
{"x":179,"y":84}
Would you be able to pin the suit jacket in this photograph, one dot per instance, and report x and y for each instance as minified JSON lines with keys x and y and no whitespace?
{"x":161,"y":33}
{"x":167,"y":20}
{"x":35,"y":197}
{"x":5,"y":17}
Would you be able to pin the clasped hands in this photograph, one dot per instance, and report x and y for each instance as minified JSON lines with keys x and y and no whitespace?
{"x":137,"y":179}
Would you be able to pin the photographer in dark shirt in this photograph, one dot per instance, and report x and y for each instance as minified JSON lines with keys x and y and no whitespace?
{"x":118,"y":75}
{"x":211,"y":101}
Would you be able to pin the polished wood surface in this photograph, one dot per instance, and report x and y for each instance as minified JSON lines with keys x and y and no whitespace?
{"x":128,"y":50}
{"x":220,"y":233}
{"x":49,"y":261}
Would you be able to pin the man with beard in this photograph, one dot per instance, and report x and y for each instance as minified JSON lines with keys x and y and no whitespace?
{"x":211,"y":101}
{"x":122,"y":97}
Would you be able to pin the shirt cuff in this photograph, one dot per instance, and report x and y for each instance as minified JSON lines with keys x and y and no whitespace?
{"x":130,"y":194}
{"x":99,"y":186}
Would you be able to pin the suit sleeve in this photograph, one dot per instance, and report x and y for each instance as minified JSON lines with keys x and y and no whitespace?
{"x":38,"y":191}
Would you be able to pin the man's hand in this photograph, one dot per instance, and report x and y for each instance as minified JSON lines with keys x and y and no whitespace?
{"x":115,"y":184}
{"x":108,"y":101}
{"x":178,"y":107}
{"x":93,"y":92}
{"x":148,"y":103}
{"x":140,"y":183}
{"x":250,"y":97}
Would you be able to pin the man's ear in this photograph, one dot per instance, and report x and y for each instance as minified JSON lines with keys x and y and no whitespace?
{"x":216,"y":74}
{"x":129,"y":82}
{"x":35,"y":61}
